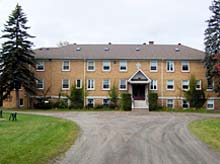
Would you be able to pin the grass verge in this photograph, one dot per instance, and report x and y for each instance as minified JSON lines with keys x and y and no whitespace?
{"x":207,"y":130}
{"x":34,"y":139}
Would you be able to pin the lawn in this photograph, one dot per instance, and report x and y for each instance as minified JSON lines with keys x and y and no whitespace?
{"x":208,"y":130}
{"x":34,"y":139}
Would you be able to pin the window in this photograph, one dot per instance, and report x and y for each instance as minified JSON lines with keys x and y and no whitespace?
{"x":78,"y":84}
{"x":185,"y":104}
{"x":170,"y":66}
{"x":106,"y":102}
{"x":21,"y":102}
{"x":122,"y":84}
{"x":153,"y":66}
{"x":123,"y":66}
{"x":153,"y":85}
{"x":170,"y":84}
{"x":210,"y":104}
{"x":170,"y":103}
{"x":90,"y":65}
{"x":106,"y":84}
{"x":210,"y":84}
{"x":185,"y":84}
{"x":90,"y":103}
{"x":40,"y":84}
{"x":106,"y":65}
{"x":65,"y":84}
{"x":90,"y":84}
{"x":185,"y":66}
{"x":198,"y":84}
{"x":40,"y":66}
{"x":66,"y":65}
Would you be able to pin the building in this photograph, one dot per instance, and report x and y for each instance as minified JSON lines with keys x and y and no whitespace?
{"x":138,"y":69}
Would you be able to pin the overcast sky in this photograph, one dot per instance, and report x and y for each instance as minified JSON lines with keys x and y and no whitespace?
{"x":115,"y":21}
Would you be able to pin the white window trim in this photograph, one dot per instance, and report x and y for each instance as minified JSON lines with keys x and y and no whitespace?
{"x":88,"y":66}
{"x":103,"y":65}
{"x":126,"y":84}
{"x":42,"y":84}
{"x":182,"y":85}
{"x":20,"y":102}
{"x":213,"y":103}
{"x":87,"y":101}
{"x":200,"y":81}
{"x":187,"y":64}
{"x":210,"y":90}
{"x":173,"y":66}
{"x":90,"y":89}
{"x":120,"y":66}
{"x":172,"y":103}
{"x":104,"y":99}
{"x":80,"y":84}
{"x":68,"y":84}
{"x":106,"y":89}
{"x":156,"y":66}
{"x":39,"y":70}
{"x":173,"y":85}
{"x":65,"y":70}
{"x":156,"y":86}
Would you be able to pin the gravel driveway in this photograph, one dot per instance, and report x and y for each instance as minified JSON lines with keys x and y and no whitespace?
{"x":136,"y":138}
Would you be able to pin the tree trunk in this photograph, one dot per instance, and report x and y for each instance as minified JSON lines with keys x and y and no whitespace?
{"x":17,"y":99}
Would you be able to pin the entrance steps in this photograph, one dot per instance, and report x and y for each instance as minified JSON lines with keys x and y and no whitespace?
{"x":139,"y":105}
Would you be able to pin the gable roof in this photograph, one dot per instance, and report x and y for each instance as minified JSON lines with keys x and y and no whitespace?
{"x":120,"y":51}
{"x":139,"y":77}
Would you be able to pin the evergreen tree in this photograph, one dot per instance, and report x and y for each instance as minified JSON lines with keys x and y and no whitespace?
{"x":113,"y":94}
{"x":17,"y":61}
{"x":76,"y":97}
{"x":212,"y":43}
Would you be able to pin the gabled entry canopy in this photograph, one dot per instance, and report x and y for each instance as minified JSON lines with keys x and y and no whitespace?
{"x":139,"y":78}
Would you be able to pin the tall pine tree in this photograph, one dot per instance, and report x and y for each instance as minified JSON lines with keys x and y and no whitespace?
{"x":17,"y":61}
{"x":212,"y":44}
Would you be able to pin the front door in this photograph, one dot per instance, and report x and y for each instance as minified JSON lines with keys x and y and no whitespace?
{"x":138,"y":91}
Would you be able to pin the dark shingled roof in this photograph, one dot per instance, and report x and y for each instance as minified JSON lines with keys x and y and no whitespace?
{"x":120,"y":51}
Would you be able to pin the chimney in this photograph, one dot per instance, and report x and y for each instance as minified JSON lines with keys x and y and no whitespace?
{"x":151,"y":42}
{"x":109,"y":43}
{"x":179,"y":44}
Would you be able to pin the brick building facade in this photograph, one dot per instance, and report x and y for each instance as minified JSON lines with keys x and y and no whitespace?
{"x":137,"y":69}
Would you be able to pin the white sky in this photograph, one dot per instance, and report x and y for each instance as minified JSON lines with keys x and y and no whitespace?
{"x":115,"y":21}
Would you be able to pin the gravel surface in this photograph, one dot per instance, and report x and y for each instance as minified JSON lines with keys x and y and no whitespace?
{"x":136,"y":138}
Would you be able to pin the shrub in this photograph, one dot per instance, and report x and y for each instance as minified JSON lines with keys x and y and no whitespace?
{"x":76,"y":97}
{"x":60,"y":104}
{"x":153,"y":98}
{"x":113,"y":94}
{"x":125,"y":101}
{"x":43,"y":105}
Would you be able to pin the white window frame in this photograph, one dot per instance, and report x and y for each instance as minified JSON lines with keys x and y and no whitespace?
{"x":208,"y":88}
{"x":173,"y":83}
{"x":168,"y":103}
{"x":40,"y":63}
{"x":37,"y":83}
{"x":120,"y":84}
{"x":103,"y":83}
{"x":185,"y":83}
{"x":78,"y":87}
{"x":212,"y":102}
{"x":198,"y":83}
{"x":106,"y":63}
{"x":64,"y":65}
{"x":153,"y":84}
{"x":90,"y":82}
{"x":153,"y":63}
{"x":21,"y":105}
{"x":186,"y":103}
{"x":170,"y":64}
{"x":123,"y":63}
{"x":68,"y":84}
{"x":88,"y":65}
{"x":185,"y":63}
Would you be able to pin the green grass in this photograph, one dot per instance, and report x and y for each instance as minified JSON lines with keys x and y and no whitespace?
{"x":34,"y":139}
{"x":208,"y":130}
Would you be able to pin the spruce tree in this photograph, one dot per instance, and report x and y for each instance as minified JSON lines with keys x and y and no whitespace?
{"x":17,"y":61}
{"x":212,"y":44}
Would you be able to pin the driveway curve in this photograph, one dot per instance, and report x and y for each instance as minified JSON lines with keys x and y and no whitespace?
{"x":136,"y":138}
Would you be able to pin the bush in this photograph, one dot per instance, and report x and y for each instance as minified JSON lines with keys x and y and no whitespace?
{"x":125,"y":102}
{"x":60,"y":104}
{"x":43,"y":105}
{"x":76,"y":98}
{"x":153,"y":98}
{"x":113,"y":94}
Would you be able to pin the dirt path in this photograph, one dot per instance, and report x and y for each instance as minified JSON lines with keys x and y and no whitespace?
{"x":136,"y":138}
